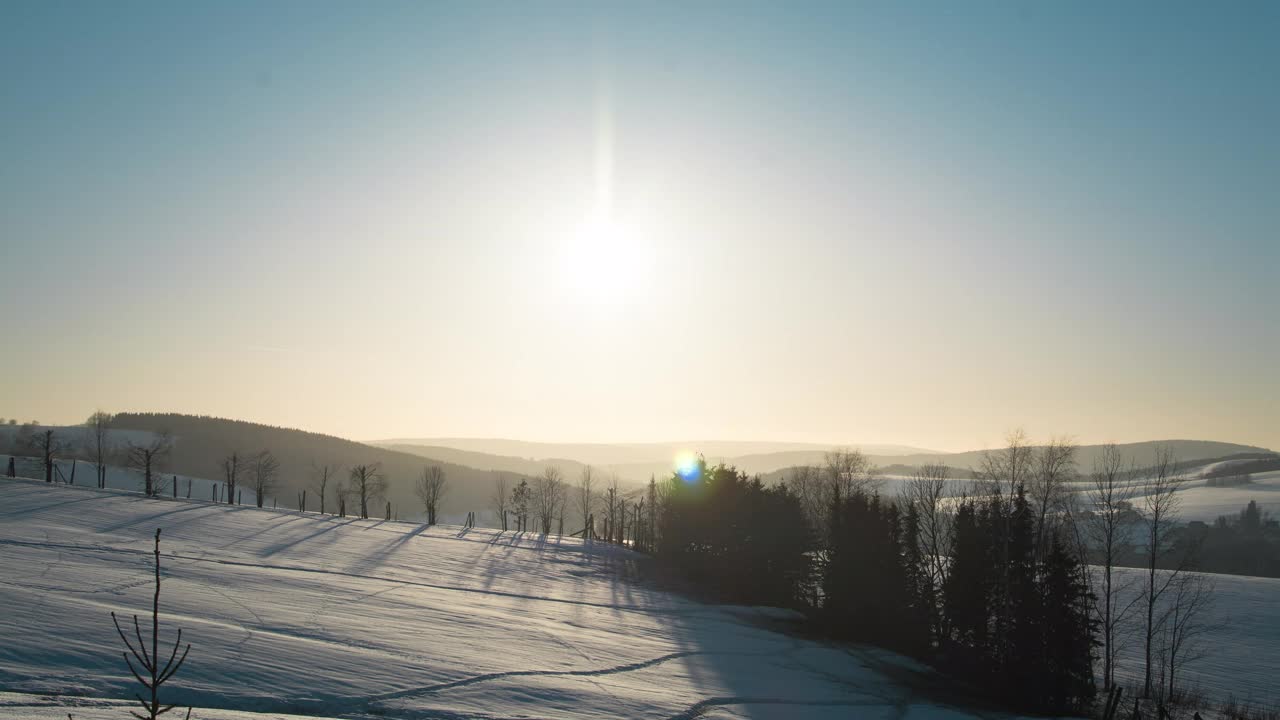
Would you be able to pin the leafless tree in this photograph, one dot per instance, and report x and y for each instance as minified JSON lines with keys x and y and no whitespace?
{"x":98,"y":446}
{"x":1185,"y":626}
{"x":1049,"y":489}
{"x":929,"y":492}
{"x":367,"y":483}
{"x":1109,"y":519}
{"x":613,"y":509}
{"x":1005,"y":469}
{"x":501,"y":499}
{"x":847,"y":472}
{"x":1160,"y":503}
{"x":232,"y":466}
{"x":147,"y":458}
{"x":323,"y":474}
{"x":585,"y":498}
{"x":810,"y":486}
{"x":150,"y":661}
{"x":44,"y":443}
{"x":548,"y":496}
{"x":265,"y":470}
{"x":430,"y":489}
{"x":341,"y":493}
{"x":652,"y":520}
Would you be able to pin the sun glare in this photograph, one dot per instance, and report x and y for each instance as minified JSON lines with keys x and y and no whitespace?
{"x":605,"y":260}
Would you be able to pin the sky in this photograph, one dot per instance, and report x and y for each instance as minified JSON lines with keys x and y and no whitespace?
{"x":917,"y":223}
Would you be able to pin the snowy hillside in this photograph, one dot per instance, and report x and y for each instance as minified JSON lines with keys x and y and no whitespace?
{"x":332,"y":617}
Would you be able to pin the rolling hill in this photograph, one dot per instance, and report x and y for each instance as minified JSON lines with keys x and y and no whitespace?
{"x":311,"y":615}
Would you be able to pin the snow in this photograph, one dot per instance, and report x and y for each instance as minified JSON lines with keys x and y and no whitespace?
{"x":1243,"y":650}
{"x":1198,"y":501}
{"x":321,"y":616}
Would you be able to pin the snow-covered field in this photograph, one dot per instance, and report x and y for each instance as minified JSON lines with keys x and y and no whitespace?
{"x":320,"y":616}
{"x":1198,"y":501}
{"x":1241,"y":654}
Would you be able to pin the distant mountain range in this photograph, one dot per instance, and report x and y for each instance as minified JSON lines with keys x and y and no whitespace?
{"x":471,"y":465}
{"x":633,"y":462}
{"x":636,"y":462}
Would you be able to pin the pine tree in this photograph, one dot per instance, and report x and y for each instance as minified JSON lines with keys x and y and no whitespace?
{"x":1069,"y":633}
{"x":922,"y":608}
{"x":965,"y":596}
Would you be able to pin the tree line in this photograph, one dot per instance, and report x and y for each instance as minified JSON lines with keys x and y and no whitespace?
{"x":364,"y":485}
{"x":988,"y":578}
{"x":599,"y":509}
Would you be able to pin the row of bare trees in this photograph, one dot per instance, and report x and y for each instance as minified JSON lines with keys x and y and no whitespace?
{"x":94,"y":443}
{"x":604,"y":512}
{"x":50,"y":444}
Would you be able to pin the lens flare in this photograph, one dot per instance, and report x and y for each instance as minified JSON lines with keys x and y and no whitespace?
{"x":687,"y":466}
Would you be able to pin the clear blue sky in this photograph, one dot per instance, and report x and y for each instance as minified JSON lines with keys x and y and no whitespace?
{"x":882,"y":222}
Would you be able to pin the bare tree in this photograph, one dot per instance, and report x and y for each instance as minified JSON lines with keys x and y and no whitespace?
{"x":98,"y":446}
{"x":341,"y":493}
{"x":232,"y":466}
{"x":44,"y":443}
{"x":1109,"y":519}
{"x":147,"y":458}
{"x":652,"y":520}
{"x":1049,"y":488}
{"x":928,"y":491}
{"x":847,"y":471}
{"x":548,"y":496}
{"x":150,"y":661}
{"x":1160,"y":503}
{"x":265,"y":470}
{"x":367,"y":483}
{"x":322,"y":474}
{"x":430,"y":489}
{"x":501,"y":501}
{"x":1005,"y":469}
{"x":613,"y":508}
{"x":1185,"y":626}
{"x":810,"y":486}
{"x":584,"y":498}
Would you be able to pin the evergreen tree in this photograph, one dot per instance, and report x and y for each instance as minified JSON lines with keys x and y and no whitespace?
{"x":966,"y":594}
{"x":1069,"y":633}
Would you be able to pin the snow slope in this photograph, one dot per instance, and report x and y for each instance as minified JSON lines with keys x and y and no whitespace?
{"x":322,"y":616}
{"x":1241,"y":652}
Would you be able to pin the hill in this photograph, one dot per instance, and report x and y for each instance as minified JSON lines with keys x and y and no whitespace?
{"x":1189,"y":453}
{"x":320,"y":616}
{"x":200,"y":444}
{"x":485,"y":461}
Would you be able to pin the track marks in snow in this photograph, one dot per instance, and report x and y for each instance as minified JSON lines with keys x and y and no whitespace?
{"x":629,"y":667}
{"x":697,"y":709}
{"x":621,"y":607}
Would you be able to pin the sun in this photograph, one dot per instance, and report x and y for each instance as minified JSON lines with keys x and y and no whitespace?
{"x":605,"y":260}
